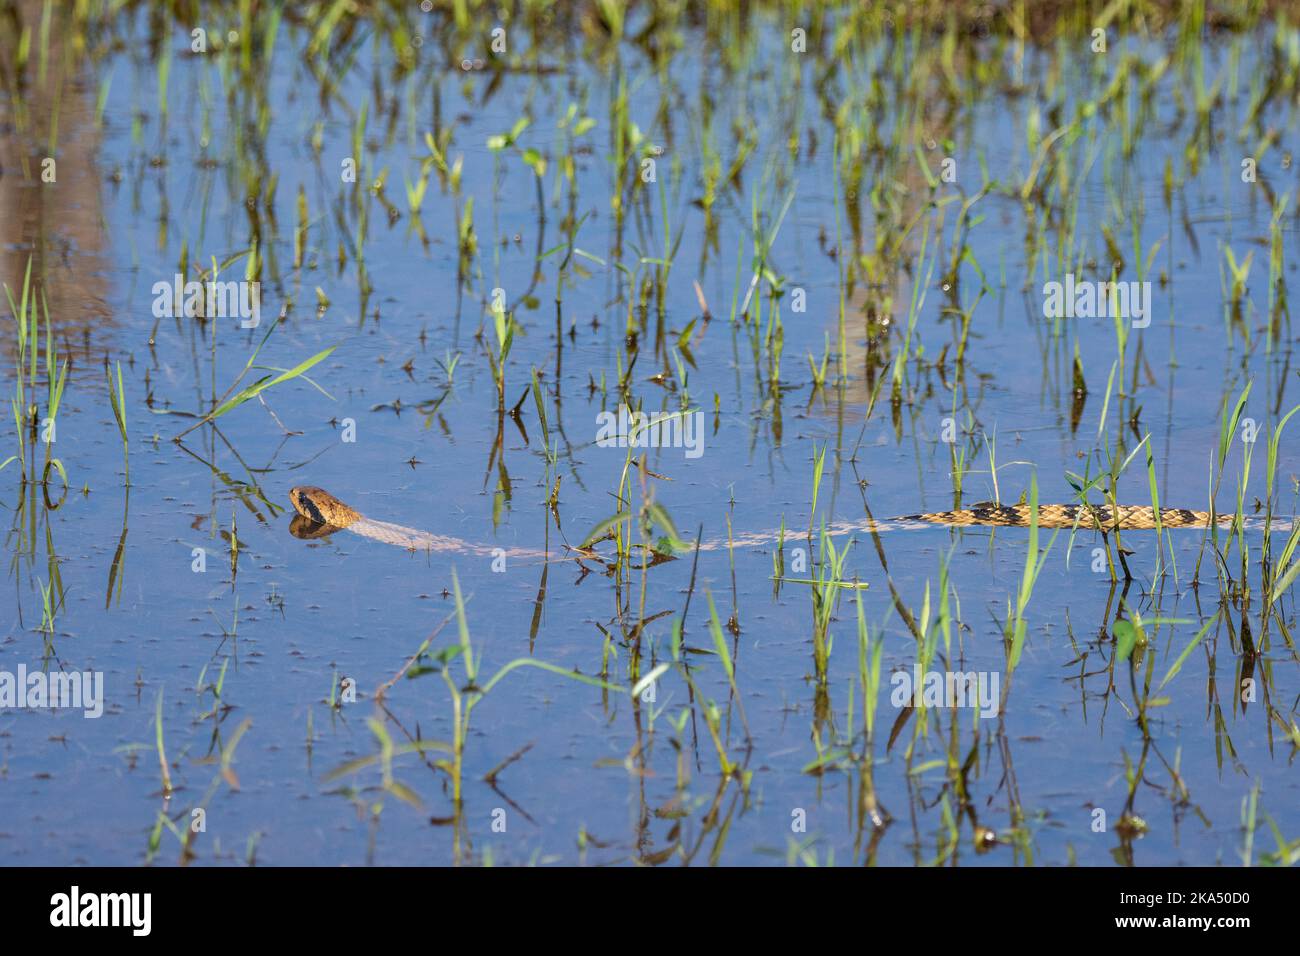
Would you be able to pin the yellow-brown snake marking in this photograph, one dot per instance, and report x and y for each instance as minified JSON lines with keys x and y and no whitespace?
{"x":1099,"y":517}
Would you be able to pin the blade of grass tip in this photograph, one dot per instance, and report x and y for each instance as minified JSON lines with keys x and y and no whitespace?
{"x":262,"y":384}
{"x":243,"y":396}
{"x":1273,"y":441}
{"x":1155,"y":507}
{"x":1027,"y":581}
{"x":1105,"y":403}
{"x":20,"y":311}
{"x":1228,"y":425}
{"x":541,"y":409}
{"x":257,"y":351}
{"x":121,"y":401}
{"x":1178,"y":664}
{"x":720,"y":642}
{"x":1289,"y":575}
{"x":658,"y":671}
{"x":56,"y":399}
{"x":819,"y":463}
{"x":562,"y":671}
{"x":162,"y":753}
{"x":462,"y":628}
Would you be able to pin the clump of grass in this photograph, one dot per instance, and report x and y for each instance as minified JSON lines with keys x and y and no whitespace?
{"x":550,"y":448}
{"x":232,"y":399}
{"x":1277,"y":577}
{"x":48,"y":606}
{"x":1016,"y":628}
{"x":466,"y":691}
{"x":728,"y":767}
{"x":26,"y":410}
{"x":503,"y":324}
{"x":1229,"y":422}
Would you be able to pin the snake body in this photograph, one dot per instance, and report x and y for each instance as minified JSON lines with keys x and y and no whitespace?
{"x":320,"y":514}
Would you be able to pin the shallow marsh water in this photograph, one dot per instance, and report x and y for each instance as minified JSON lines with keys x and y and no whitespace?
{"x":798,"y":148}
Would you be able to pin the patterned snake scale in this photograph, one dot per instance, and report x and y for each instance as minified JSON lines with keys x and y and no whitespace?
{"x":321,"y":514}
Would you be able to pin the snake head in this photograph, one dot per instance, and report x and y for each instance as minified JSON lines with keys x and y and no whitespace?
{"x":304,"y":499}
